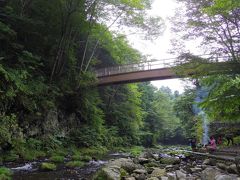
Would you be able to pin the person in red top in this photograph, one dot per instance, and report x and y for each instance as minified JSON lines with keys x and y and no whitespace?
{"x":212,"y":145}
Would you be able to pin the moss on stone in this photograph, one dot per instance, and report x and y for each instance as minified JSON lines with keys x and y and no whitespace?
{"x":72,"y":164}
{"x":57,"y":158}
{"x":5,"y":173}
{"x":123,"y":172}
{"x":48,"y":166}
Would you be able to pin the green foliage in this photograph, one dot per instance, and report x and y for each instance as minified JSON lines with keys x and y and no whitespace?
{"x":136,"y":150}
{"x":57,"y":159}
{"x":10,"y":156}
{"x":223,"y":100}
{"x":72,"y":164}
{"x":86,"y":137}
{"x":5,"y":173}
{"x":184,"y":111}
{"x":48,"y":166}
{"x":160,"y":121}
{"x":49,"y":50}
{"x":224,"y":7}
{"x":9,"y":130}
{"x":94,"y":151}
{"x":123,"y":173}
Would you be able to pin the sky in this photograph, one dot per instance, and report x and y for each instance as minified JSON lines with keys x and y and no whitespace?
{"x":158,"y":49}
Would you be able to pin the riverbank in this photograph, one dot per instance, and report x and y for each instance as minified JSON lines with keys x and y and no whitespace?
{"x":134,"y":163}
{"x":169,"y":164}
{"x":70,"y":163}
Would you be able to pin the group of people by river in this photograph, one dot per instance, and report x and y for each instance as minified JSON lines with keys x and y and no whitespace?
{"x":211,"y":146}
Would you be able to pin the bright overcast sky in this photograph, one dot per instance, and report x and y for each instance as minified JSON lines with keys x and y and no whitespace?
{"x":160,"y":47}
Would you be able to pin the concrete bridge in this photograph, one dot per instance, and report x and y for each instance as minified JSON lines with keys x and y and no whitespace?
{"x":160,"y":70}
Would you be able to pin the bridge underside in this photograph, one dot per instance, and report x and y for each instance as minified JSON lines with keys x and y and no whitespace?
{"x":140,"y":76}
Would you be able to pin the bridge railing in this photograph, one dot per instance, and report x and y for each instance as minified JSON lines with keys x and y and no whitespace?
{"x":142,"y":66}
{"x":151,"y":65}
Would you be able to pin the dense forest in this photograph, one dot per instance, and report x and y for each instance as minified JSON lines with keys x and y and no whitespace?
{"x":50,"y":49}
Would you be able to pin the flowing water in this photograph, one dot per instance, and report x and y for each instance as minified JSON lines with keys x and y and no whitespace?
{"x":31,"y":171}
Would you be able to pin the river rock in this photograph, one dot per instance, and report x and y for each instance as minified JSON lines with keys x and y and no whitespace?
{"x":126,"y":164}
{"x":225,"y":177}
{"x":221,"y":166}
{"x":232,"y":169}
{"x":170,"y":168}
{"x":180,"y":175}
{"x":140,"y":177}
{"x":143,"y":160}
{"x":130,"y":178}
{"x":140,"y":171}
{"x":157,"y":172}
{"x":146,"y":155}
{"x":152,"y":178}
{"x":209,"y":173}
{"x":211,"y":162}
{"x":170,"y":160}
{"x":109,"y":172}
{"x":171,"y":176}
{"x":164,"y":178}
{"x":196,"y":169}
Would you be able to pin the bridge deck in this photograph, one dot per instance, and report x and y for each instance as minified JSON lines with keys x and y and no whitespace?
{"x":139,"y":76}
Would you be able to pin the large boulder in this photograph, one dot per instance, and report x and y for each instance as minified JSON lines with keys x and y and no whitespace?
{"x":221,"y":166}
{"x":109,"y":172}
{"x":209,"y":173}
{"x":126,"y":164}
{"x":225,"y":177}
{"x":232,"y":169}
{"x":112,"y":171}
{"x":157,"y":172}
{"x":180,"y":175}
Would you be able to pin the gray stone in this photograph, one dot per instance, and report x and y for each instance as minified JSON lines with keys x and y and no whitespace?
{"x":147,"y":155}
{"x":111,"y":173}
{"x":171,"y":176}
{"x":232,"y":169}
{"x":140,"y":171}
{"x":204,"y":166}
{"x":157,"y":172}
{"x":225,"y":177}
{"x":51,"y":124}
{"x":211,"y":162}
{"x":169,"y":168}
{"x":130,"y":178}
{"x":126,"y":164}
{"x":196,"y":169}
{"x":141,"y":177}
{"x":209,"y":173}
{"x":180,"y":174}
{"x":194,"y":163}
{"x":221,"y":166}
{"x":164,"y":178}
{"x":152,"y":178}
{"x":143,"y":160}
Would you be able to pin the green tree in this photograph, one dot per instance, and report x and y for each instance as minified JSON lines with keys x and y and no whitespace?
{"x":184,"y":109}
